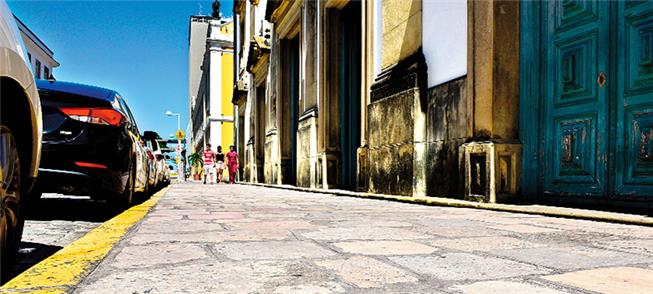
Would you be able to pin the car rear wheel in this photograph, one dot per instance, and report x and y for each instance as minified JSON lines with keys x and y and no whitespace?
{"x":126,"y":199}
{"x":146,"y":189}
{"x":11,"y":220}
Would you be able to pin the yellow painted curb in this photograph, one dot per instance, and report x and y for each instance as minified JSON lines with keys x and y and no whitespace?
{"x":66,"y":268}
{"x":554,"y":211}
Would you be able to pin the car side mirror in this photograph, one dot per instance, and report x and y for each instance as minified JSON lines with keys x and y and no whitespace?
{"x":159,"y":157}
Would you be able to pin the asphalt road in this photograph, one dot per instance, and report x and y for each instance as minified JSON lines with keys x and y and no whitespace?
{"x":55,"y":221}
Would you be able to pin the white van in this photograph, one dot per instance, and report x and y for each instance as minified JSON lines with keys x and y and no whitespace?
{"x":20,"y":136}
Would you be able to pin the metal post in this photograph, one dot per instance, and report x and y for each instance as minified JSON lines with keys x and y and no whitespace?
{"x":180,"y":167}
{"x":181,"y":175}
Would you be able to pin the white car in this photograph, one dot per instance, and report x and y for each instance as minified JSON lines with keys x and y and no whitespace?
{"x":20,"y":135}
{"x":160,"y":168}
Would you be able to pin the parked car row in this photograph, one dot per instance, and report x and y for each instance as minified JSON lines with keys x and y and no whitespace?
{"x":92,"y":145}
{"x":66,"y":138}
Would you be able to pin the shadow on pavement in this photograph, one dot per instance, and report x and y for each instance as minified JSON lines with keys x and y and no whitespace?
{"x":62,"y":208}
{"x":72,"y":209}
{"x":31,"y":254}
{"x":67,"y":208}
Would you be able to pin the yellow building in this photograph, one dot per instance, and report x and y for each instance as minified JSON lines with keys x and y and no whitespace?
{"x":211,"y":59}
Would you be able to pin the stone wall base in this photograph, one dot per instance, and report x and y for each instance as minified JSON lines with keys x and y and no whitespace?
{"x":307,"y":157}
{"x":272,"y":161}
{"x":490,"y":171}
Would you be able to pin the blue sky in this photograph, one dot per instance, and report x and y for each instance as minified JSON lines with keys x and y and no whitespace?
{"x":139,"y":48}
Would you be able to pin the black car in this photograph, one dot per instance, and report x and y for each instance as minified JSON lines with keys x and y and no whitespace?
{"x":91,"y":144}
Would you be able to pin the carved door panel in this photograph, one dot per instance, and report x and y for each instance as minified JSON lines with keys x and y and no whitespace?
{"x":575,"y":119}
{"x":633,"y":156}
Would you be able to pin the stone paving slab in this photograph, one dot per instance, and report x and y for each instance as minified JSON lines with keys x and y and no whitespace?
{"x":248,"y":239}
{"x":465,"y":266}
{"x":366,"y":272}
{"x":364,"y":233}
{"x":502,"y":287}
{"x":615,"y":280}
{"x":156,"y":255}
{"x":272,"y":250}
{"x":640,"y":246}
{"x":487,"y":244}
{"x":384,"y":247}
{"x":570,"y":258}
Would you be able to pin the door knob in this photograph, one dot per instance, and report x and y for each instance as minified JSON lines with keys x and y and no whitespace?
{"x":601,"y":79}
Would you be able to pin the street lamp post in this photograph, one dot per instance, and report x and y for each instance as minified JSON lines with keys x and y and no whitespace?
{"x":181,"y":176}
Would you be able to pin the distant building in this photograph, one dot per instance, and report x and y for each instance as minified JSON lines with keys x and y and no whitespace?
{"x":210,"y":80}
{"x":40,"y":55}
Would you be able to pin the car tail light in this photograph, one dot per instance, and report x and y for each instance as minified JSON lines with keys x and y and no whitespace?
{"x":90,"y":164}
{"x":150,"y":155}
{"x":100,"y":116}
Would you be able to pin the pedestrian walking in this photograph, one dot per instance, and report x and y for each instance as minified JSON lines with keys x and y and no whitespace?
{"x":219,"y":156}
{"x":232,"y":162}
{"x":209,"y":163}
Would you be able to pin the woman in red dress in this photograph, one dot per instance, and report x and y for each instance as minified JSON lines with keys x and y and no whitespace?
{"x":232,"y":163}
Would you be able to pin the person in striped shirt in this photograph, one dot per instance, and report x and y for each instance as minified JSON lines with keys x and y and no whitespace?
{"x":209,"y":164}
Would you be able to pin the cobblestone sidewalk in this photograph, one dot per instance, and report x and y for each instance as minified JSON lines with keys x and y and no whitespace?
{"x":220,"y":238}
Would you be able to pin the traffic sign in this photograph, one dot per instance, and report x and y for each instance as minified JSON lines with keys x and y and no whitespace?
{"x":180,"y":134}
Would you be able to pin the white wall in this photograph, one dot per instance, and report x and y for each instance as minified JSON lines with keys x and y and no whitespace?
{"x":38,"y":54}
{"x":444,"y":39}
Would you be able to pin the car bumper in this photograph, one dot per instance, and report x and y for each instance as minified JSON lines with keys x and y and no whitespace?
{"x":95,"y":183}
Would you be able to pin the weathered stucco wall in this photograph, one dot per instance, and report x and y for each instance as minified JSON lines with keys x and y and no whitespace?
{"x":402,"y":30}
{"x":493,"y":68}
{"x":446,"y":125}
{"x":271,"y":162}
{"x":249,"y":169}
{"x":307,"y":150}
{"x":391,"y":143}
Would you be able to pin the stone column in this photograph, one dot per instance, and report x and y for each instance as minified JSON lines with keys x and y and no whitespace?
{"x":396,"y":113}
{"x":307,"y":171}
{"x":491,"y":164}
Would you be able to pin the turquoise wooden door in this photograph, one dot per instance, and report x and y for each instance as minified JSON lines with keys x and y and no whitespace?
{"x":633,"y":156}
{"x":349,"y":94}
{"x":575,"y":108}
{"x":294,"y":107}
{"x":593,"y":85}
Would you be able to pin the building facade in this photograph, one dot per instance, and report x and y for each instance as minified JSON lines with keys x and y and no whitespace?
{"x":39,"y":54}
{"x":489,"y":101}
{"x":211,"y":61}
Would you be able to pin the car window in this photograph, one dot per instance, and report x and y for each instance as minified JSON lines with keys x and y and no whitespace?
{"x":116,"y":104}
{"x":151,"y":144}
{"x":129,"y":113}
{"x":155,"y":145}
{"x":123,"y":108}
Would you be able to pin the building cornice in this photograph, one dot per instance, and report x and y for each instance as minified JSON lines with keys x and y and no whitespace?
{"x":258,"y":55}
{"x":339,"y":4}
{"x":287,"y":18}
{"x":220,"y":45}
{"x":240,"y":92}
{"x":32,"y":36}
{"x":239,"y":6}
